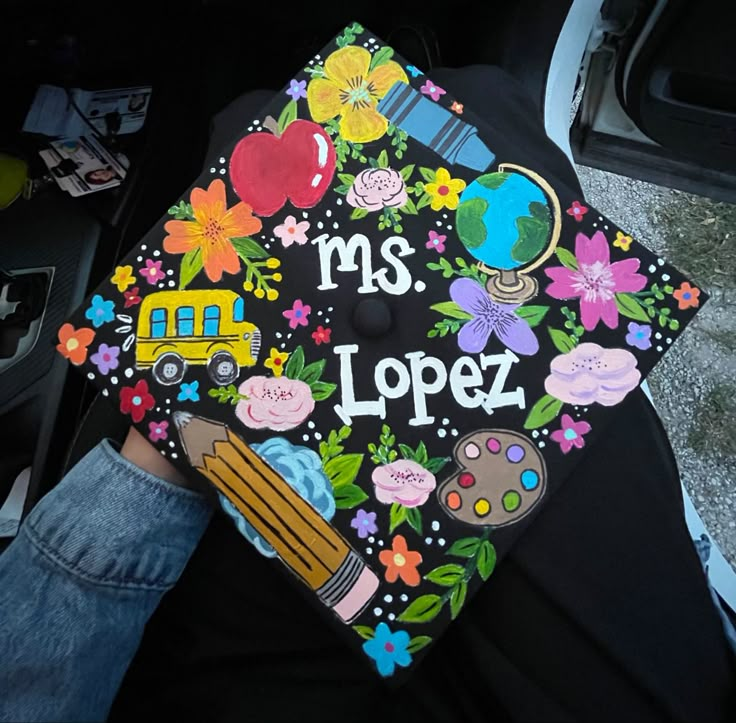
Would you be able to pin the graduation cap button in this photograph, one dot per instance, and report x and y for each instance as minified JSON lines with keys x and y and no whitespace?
{"x":372,"y":318}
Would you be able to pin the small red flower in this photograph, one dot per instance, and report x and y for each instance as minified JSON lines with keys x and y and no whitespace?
{"x":457,"y":107}
{"x":322,"y":335}
{"x":131,"y":297}
{"x":136,"y":400}
{"x":577,"y":210}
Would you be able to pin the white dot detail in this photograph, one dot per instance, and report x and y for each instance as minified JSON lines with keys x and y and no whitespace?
{"x":404,"y":598}
{"x":445,"y":421}
{"x":213,"y":170}
{"x":377,"y":612}
{"x":435,"y":525}
{"x":391,"y":617}
{"x":319,"y":312}
{"x":305,"y":437}
{"x":327,"y":320}
{"x":659,"y":349}
{"x":90,"y":375}
{"x":535,"y":434}
{"x":368,"y":550}
{"x":310,"y":425}
{"x":388,"y":598}
{"x":317,"y":436}
{"x":380,"y":543}
{"x":174,"y":455}
{"x":371,"y":539}
{"x":420,"y":286}
{"x":330,"y":308}
{"x":139,"y":258}
{"x":158,"y":253}
{"x":657,"y":336}
{"x":542,"y":445}
{"x":652,"y":268}
{"x":222,"y":159}
{"x":665,"y":277}
{"x":339,"y":202}
{"x":454,"y":432}
{"x":305,"y":214}
{"x":222,"y":171}
{"x":113,"y":380}
{"x":328,"y":213}
{"x":320,"y":225}
{"x":105,"y":393}
{"x":172,"y":284}
{"x":441,"y":433}
{"x":172,"y":444}
{"x":441,"y":542}
{"x":427,"y":540}
{"x":336,"y":225}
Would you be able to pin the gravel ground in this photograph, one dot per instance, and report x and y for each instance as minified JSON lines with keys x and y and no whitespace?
{"x":699,"y":367}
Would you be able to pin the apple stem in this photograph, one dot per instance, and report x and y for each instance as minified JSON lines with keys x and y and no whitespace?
{"x":271,"y":124}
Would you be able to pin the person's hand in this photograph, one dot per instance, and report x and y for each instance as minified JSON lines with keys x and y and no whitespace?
{"x":138,"y":450}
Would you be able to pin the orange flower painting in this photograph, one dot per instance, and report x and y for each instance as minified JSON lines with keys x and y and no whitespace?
{"x":211,"y":230}
{"x":401,"y":562}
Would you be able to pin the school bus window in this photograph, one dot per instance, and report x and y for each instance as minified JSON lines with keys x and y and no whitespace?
{"x":185,"y":321}
{"x":211,"y":320}
{"x":158,"y":323}
{"x":239,"y":309}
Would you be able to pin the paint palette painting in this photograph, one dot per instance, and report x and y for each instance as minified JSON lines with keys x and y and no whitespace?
{"x":383,"y":340}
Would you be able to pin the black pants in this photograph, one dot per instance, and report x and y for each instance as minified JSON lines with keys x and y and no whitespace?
{"x":600,"y":612}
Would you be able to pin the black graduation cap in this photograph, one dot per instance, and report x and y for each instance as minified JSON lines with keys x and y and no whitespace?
{"x":381,"y":339}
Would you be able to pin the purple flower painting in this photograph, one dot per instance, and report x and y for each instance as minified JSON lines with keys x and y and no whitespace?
{"x":490,"y":318}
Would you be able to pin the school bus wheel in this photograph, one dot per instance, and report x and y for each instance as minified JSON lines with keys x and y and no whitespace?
{"x":222,"y":368}
{"x":169,"y":368}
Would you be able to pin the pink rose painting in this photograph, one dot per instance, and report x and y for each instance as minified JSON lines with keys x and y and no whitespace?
{"x":589,"y":373}
{"x":377,"y":188}
{"x":403,"y":481}
{"x":276,"y":403}
{"x":596,"y":281}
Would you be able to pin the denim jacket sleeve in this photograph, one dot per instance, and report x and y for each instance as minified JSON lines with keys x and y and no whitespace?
{"x":77,"y":586}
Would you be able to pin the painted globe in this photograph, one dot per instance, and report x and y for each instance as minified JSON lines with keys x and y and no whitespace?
{"x":504,"y":220}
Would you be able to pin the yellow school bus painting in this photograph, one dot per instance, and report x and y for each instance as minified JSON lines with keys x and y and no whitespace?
{"x":179,"y":328}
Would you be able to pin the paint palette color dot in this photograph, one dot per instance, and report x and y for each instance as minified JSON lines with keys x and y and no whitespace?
{"x":472,"y":451}
{"x":453,"y":500}
{"x":494,"y":446}
{"x":515,"y":453}
{"x":529,"y":479}
{"x":466,"y":480}
{"x":482,"y":507}
{"x":511,"y":501}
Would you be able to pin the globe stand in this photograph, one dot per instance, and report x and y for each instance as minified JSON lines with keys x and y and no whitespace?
{"x":509,"y":287}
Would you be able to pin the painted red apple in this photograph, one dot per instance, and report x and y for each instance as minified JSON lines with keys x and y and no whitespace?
{"x":266,"y":170}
